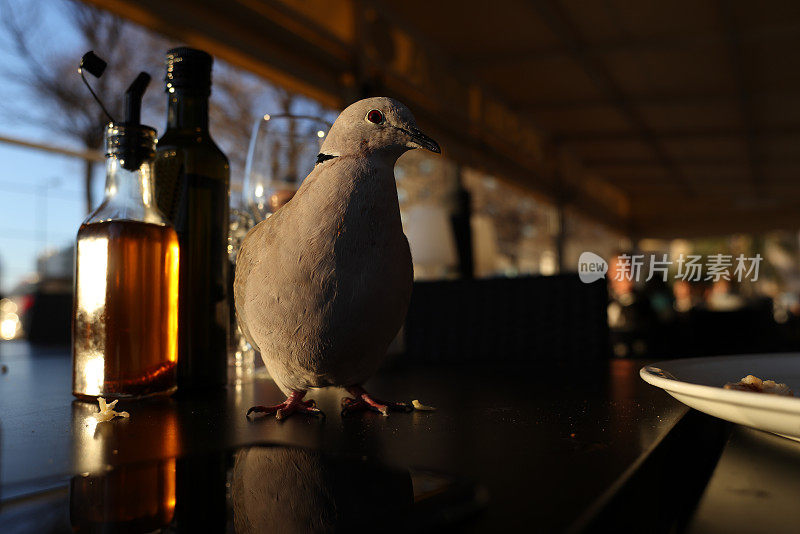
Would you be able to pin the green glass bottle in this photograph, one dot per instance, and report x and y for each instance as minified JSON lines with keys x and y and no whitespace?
{"x":192,"y":186}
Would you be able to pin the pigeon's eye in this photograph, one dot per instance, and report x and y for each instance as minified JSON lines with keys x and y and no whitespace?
{"x":375,"y":116}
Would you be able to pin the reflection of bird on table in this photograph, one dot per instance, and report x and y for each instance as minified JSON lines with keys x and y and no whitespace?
{"x":281,"y":489}
{"x":323,"y":285}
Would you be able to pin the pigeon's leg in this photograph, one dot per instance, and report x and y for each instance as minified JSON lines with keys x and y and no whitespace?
{"x":293,"y":403}
{"x":364,"y":401}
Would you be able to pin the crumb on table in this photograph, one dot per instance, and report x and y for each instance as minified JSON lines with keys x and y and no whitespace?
{"x":107,"y":412}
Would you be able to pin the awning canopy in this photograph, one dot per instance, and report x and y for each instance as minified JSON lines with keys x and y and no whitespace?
{"x":660,"y":119}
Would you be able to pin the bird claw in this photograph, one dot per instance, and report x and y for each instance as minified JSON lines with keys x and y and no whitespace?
{"x":362,"y":400}
{"x":293,"y":404}
{"x":282,"y":414}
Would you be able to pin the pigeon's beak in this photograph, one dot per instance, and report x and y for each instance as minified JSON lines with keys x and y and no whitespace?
{"x":420,"y":140}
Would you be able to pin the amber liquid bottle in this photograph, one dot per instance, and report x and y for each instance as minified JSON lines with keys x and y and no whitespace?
{"x":125,"y":309}
{"x":192,"y":189}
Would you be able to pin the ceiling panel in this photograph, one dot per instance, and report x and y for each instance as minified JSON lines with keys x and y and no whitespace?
{"x":602,"y":119}
{"x":638,"y":174}
{"x":716,"y":176}
{"x":688,"y":114}
{"x":613,"y":150}
{"x":647,"y":19}
{"x":715,"y":149}
{"x":704,"y":69}
{"x":766,"y":16}
{"x":778,"y":111}
{"x":772,"y":65}
{"x":781,"y":149}
{"x":689,"y":109}
{"x":481,"y":30}
{"x":529,"y":80}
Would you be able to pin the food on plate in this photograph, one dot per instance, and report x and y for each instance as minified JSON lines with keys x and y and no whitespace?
{"x":755,"y":384}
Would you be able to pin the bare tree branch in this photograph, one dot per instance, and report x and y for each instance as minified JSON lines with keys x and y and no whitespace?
{"x":54,"y":96}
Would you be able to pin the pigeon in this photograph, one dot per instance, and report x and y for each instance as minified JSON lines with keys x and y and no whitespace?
{"x":323,"y":285}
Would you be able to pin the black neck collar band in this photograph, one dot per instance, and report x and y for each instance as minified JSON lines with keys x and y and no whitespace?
{"x":324,"y":157}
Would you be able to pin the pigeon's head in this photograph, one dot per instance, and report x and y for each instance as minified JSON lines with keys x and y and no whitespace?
{"x":378,"y":124}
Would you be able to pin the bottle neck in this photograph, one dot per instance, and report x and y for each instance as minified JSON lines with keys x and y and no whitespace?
{"x":129,"y":194}
{"x":187,"y":111}
{"x":131,"y":187}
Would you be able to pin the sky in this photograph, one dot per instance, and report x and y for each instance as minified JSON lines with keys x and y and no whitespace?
{"x":41,"y":198}
{"x":41,"y":194}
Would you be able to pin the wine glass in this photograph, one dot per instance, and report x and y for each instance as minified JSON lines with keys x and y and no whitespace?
{"x":241,"y":356}
{"x":283,"y":150}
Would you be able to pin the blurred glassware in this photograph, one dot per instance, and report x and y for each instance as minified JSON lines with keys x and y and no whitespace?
{"x":283,"y":150}
{"x":241,"y":356}
{"x":239,"y":224}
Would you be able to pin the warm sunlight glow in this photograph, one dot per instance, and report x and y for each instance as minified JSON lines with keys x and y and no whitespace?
{"x":93,"y":261}
{"x":169,"y":486}
{"x":93,"y":374}
{"x":8,"y":306}
{"x":320,"y":134}
{"x":172,"y":265}
{"x":147,"y":191}
{"x":259,"y":191}
{"x":90,"y":426}
{"x":8,"y":326}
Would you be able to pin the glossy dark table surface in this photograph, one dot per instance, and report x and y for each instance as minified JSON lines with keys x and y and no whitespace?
{"x":755,"y":486}
{"x":554,"y":449}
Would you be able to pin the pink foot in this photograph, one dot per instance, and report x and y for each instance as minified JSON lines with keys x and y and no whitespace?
{"x":364,"y":401}
{"x":293,"y":403}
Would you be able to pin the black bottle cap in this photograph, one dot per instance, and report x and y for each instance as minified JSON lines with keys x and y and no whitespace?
{"x":188,"y":68}
{"x":93,"y":64}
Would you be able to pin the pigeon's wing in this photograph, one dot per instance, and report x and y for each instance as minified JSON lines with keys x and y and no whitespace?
{"x":255,"y":248}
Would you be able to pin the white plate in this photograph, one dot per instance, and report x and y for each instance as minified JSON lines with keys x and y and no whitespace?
{"x":698,"y":382}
